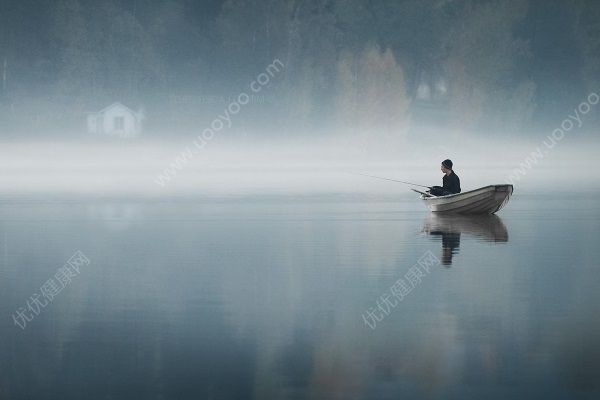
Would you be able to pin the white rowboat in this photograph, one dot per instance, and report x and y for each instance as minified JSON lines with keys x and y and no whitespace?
{"x":485,"y":200}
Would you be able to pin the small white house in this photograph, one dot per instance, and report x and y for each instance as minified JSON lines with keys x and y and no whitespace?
{"x":115,"y":120}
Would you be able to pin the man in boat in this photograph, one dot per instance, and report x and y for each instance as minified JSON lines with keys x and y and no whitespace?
{"x":450,"y":181}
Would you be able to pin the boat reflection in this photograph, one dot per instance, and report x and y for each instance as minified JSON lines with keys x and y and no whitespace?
{"x":449,"y":228}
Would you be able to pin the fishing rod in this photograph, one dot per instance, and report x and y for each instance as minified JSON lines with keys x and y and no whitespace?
{"x":393,"y":180}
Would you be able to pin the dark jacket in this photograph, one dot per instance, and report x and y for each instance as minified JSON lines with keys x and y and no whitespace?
{"x":451,"y":184}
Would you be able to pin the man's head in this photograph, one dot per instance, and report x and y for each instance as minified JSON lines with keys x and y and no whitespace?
{"x":446,"y":166}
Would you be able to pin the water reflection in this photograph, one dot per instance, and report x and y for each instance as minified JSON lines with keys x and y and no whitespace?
{"x":115,"y":216}
{"x":449,"y":228}
{"x":263,"y":300}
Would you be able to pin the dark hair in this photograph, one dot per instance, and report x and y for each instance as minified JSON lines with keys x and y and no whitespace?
{"x":447,"y":163}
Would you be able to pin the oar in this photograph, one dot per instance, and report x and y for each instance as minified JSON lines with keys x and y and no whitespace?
{"x":423,"y":193}
{"x":393,"y":180}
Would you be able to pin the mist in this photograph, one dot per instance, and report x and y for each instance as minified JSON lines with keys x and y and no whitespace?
{"x":231,"y":97}
{"x":201,"y":199}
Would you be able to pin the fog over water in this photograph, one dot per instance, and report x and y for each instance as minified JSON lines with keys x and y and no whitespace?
{"x":285,"y":166}
{"x":191,"y":204}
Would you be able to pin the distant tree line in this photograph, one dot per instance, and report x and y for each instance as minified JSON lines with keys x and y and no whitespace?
{"x":360,"y":65}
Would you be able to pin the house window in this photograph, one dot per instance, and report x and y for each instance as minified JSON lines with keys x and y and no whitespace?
{"x":119,"y":123}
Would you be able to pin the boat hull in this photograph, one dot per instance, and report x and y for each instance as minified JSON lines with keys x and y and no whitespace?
{"x":485,"y":200}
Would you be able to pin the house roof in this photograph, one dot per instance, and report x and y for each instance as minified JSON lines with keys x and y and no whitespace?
{"x":115,"y":104}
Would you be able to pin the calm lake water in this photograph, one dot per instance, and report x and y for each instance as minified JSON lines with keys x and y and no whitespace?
{"x":269,"y":298}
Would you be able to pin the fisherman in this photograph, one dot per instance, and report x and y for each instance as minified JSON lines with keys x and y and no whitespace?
{"x":450,"y":181}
